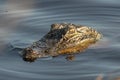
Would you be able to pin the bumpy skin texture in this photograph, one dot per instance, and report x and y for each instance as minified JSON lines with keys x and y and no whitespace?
{"x":67,"y":39}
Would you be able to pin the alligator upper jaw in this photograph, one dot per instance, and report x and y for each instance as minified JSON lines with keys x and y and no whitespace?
{"x":30,"y":55}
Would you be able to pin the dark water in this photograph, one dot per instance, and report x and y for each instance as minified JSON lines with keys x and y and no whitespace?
{"x":25,"y":21}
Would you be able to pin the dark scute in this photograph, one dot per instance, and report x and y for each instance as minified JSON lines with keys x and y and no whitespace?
{"x":56,"y":34}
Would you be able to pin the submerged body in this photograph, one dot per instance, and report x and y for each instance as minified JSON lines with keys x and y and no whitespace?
{"x":63,"y":38}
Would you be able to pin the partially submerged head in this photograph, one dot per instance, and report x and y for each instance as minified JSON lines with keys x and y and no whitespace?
{"x":29,"y":55}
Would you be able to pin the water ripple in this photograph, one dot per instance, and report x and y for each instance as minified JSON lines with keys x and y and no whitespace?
{"x":25,"y":22}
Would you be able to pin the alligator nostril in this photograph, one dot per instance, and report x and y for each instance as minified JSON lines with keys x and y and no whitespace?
{"x":29,"y":55}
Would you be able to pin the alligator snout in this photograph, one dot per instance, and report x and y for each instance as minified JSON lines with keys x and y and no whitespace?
{"x":29,"y":55}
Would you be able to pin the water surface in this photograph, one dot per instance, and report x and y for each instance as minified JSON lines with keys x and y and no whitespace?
{"x":25,"y":21}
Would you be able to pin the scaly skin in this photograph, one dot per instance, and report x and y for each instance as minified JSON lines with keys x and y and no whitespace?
{"x":62,"y":39}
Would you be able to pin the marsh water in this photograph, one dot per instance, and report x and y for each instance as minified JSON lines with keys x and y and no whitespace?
{"x":25,"y":21}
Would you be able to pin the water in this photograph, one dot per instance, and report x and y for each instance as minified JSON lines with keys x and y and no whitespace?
{"x":25,"y":21}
